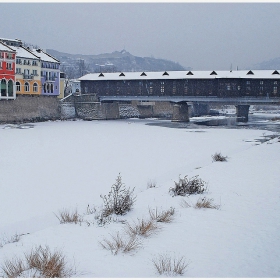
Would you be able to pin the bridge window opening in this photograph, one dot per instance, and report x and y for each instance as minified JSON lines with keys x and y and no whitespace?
{"x":143,"y":74}
{"x":165,"y":74}
{"x":162,"y":87}
{"x":250,"y":73}
{"x":190,"y":73}
{"x":101,"y":75}
{"x":275,"y":72}
{"x":122,"y":74}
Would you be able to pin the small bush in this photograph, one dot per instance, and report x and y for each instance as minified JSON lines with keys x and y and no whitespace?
{"x":219,"y":157}
{"x":168,"y":266}
{"x":119,"y":200}
{"x":162,"y":216}
{"x":12,"y":239}
{"x":143,"y":228}
{"x":206,"y":203}
{"x":68,"y":217}
{"x":39,"y":263}
{"x":187,"y":186}
{"x":119,"y":244}
{"x":151,"y":184}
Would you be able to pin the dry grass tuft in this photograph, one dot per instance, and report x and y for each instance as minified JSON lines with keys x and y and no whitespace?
{"x":185,"y":204}
{"x":143,"y":227}
{"x":219,"y":157}
{"x":12,"y":239}
{"x":119,"y":244}
{"x":162,"y":216}
{"x":39,"y":263}
{"x":206,"y":203}
{"x":165,"y":265}
{"x":67,"y":217}
{"x":151,"y":184}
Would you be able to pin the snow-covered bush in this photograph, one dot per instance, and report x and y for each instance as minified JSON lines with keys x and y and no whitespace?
{"x":143,"y":228}
{"x":121,"y":244}
{"x":219,"y":157}
{"x":119,"y":200}
{"x":67,"y":217}
{"x":170,"y":267}
{"x":6,"y":240}
{"x":187,"y":186}
{"x":39,"y":263}
{"x":162,"y":216}
{"x":206,"y":203}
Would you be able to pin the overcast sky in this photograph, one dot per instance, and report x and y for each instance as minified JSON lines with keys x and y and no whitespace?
{"x":204,"y":36}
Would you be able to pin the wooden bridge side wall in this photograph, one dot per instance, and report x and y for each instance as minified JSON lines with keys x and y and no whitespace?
{"x":183,"y":87}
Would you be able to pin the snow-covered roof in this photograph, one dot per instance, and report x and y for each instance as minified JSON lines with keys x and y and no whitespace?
{"x":169,"y":75}
{"x":25,"y":53}
{"x":44,"y":56}
{"x":4,"y":47}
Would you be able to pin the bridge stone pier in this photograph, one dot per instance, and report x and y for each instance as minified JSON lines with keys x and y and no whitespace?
{"x":242,"y":112}
{"x":200,"y":109}
{"x":181,"y":112}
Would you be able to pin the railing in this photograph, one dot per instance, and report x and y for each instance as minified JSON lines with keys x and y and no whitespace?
{"x":28,"y":77}
{"x":50,"y":78}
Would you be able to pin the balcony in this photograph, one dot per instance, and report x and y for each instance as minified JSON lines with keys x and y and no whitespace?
{"x":28,"y":77}
{"x":50,"y":79}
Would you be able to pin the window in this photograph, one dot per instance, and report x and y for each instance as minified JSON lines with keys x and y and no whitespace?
{"x":275,"y":83}
{"x":162,"y":87}
{"x":228,"y":87}
{"x":274,"y":89}
{"x":18,"y":86}
{"x":9,"y":55}
{"x":9,"y":66}
{"x":238,"y":87}
{"x":34,"y":72}
{"x":1,"y":65}
{"x":1,"y":55}
{"x":51,"y":88}
{"x":34,"y":63}
{"x":247,"y":82}
{"x":35,"y":87}
{"x":261,"y":88}
{"x":174,"y":87}
{"x":18,"y":70}
{"x":248,"y":88}
{"x":261,"y":82}
{"x":18,"y":61}
{"x":26,"y":87}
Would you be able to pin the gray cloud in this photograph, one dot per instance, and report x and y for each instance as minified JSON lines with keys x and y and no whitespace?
{"x":203,"y":36}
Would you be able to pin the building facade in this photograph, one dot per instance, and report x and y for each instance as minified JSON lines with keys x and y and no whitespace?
{"x":50,"y":73}
{"x":242,"y":83}
{"x":7,"y":72}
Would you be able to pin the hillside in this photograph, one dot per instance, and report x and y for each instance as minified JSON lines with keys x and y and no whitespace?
{"x":271,"y":64}
{"x":76,"y":65}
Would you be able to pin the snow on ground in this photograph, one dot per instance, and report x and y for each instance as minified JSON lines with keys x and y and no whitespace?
{"x":57,"y":165}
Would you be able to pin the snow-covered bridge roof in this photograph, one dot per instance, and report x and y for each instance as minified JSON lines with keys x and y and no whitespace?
{"x":170,"y":75}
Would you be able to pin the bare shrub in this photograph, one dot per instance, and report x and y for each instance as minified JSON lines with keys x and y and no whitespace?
{"x":162,"y":216}
{"x":118,"y":244}
{"x":12,"y":239}
{"x":120,"y":200}
{"x":184,"y":204}
{"x":187,"y":186}
{"x":206,"y":203}
{"x":39,"y":263}
{"x":13,"y":268}
{"x":142,"y":227}
{"x":151,"y":184}
{"x":219,"y":157}
{"x":67,"y":217}
{"x":171,"y":267}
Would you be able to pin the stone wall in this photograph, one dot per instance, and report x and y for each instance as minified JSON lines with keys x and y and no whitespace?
{"x":29,"y":109}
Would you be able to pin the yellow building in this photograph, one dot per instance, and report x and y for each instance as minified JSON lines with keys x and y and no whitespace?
{"x":28,"y":72}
